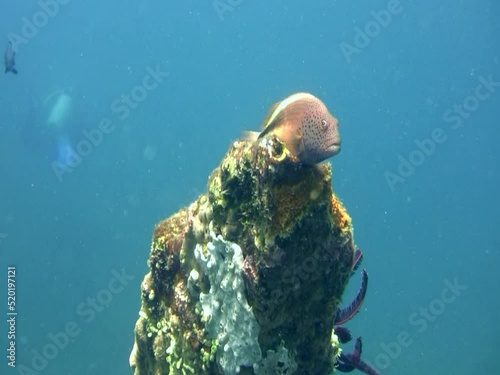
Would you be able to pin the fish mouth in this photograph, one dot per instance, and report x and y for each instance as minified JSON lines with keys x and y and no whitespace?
{"x":334,"y":148}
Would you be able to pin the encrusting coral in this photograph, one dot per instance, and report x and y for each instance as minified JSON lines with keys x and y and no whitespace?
{"x":248,"y":278}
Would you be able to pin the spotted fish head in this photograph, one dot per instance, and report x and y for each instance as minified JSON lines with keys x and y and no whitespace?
{"x":320,"y":138}
{"x":305,"y":125}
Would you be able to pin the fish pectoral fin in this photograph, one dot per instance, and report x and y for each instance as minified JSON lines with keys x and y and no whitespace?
{"x":299,"y":143}
{"x":292,"y":132}
{"x":298,"y":134}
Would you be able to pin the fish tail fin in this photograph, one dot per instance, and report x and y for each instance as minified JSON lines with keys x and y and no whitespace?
{"x":250,"y":136}
{"x":12,"y":70}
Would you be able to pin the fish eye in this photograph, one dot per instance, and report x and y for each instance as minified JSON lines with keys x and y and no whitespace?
{"x":324,"y":124}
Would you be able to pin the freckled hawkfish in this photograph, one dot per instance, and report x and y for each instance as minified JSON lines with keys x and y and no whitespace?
{"x":304,"y":124}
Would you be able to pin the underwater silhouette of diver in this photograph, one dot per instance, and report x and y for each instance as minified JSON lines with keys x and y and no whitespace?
{"x":52,"y":124}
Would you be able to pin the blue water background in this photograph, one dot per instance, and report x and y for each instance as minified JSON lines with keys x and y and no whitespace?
{"x":438,"y":226}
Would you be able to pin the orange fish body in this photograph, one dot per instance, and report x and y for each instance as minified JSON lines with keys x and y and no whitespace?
{"x":305,"y":125}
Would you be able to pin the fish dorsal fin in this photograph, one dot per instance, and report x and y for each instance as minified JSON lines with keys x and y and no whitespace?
{"x":269,"y":115}
{"x":285,"y":112}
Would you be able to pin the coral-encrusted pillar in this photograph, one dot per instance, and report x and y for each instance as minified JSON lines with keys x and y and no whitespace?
{"x":248,"y":278}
